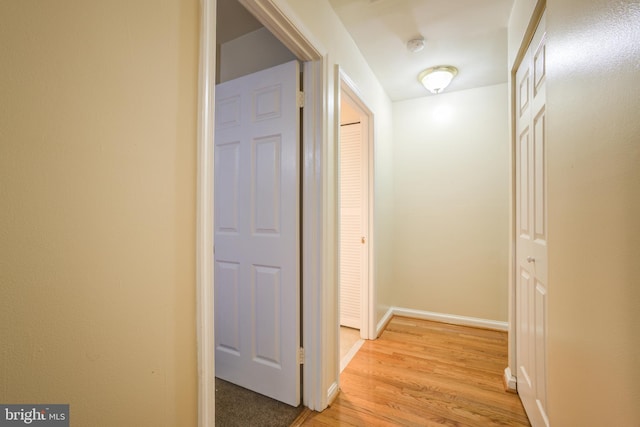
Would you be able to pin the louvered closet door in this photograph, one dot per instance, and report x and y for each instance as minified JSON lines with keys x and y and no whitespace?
{"x":353,"y":210}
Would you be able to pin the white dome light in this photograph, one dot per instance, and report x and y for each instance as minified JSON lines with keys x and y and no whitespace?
{"x":435,"y":79}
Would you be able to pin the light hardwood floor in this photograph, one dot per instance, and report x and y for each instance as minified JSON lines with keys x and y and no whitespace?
{"x":348,"y":338}
{"x":423,"y":373}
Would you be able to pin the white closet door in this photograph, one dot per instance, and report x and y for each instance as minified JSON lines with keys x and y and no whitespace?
{"x":531,"y":220}
{"x":353,"y":210}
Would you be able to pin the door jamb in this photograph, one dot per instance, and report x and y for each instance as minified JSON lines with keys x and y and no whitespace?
{"x":348,"y":88}
{"x":284,"y":25}
{"x":204,"y":216}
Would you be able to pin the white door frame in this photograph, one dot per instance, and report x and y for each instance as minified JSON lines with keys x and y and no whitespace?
{"x":204,"y":212}
{"x":348,"y":88}
{"x":291,"y":33}
{"x":511,"y":369}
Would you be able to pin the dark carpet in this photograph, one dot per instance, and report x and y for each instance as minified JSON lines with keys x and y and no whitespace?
{"x":237,"y":406}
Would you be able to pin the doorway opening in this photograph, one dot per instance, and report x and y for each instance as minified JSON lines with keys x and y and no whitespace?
{"x":257,"y":211}
{"x":355,"y":220}
{"x":283,"y":27}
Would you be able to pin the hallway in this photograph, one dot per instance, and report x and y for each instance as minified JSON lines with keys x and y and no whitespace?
{"x":426,"y":373}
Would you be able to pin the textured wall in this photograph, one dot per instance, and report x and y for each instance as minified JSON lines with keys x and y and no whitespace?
{"x":97,"y":227}
{"x":593,"y":99}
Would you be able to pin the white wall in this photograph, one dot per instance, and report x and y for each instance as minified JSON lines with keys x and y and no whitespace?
{"x":255,"y":51}
{"x":451,"y":203}
{"x":321,"y":24}
{"x":518,"y":22}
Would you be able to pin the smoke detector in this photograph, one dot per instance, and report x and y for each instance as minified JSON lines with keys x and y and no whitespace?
{"x":415,"y":45}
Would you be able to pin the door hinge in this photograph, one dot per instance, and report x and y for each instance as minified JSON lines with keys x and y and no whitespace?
{"x":300,"y":99}
{"x":301,"y":356}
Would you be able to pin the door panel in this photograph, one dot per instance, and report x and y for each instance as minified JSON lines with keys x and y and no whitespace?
{"x":226,"y":208}
{"x":257,"y":199}
{"x":531,"y":243}
{"x":267,"y":286}
{"x":523,"y":178}
{"x":227,"y":287}
{"x":352,"y":224}
{"x":539,"y":196}
{"x":266,"y":189}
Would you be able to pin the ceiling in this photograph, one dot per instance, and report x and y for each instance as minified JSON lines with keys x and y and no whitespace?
{"x":468,"y":34}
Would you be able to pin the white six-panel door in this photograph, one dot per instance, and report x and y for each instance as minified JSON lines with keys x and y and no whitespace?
{"x":531,"y":223}
{"x":257,"y":198}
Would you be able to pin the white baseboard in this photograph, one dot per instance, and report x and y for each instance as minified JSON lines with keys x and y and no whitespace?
{"x":332,"y":393}
{"x":448,"y":318}
{"x":509,"y":380}
{"x":440,"y":317}
{"x":347,"y":357}
{"x":383,"y":322}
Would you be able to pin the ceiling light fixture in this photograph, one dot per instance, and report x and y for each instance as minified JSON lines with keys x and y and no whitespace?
{"x":435,"y":79}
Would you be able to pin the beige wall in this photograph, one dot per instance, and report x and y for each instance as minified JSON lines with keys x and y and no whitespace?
{"x":594,"y":206}
{"x":97,"y":181}
{"x":451,"y":203}
{"x":593,"y":152}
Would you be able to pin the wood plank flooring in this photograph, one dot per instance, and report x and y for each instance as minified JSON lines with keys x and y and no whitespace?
{"x":423,"y":373}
